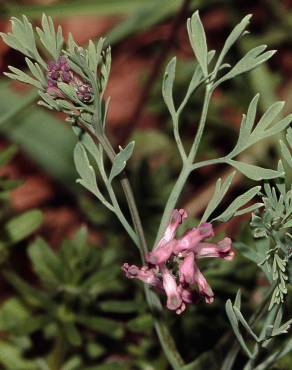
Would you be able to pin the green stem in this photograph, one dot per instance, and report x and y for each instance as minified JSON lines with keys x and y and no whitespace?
{"x":102,"y":139}
{"x":129,"y":197}
{"x":172,"y":200}
{"x":187,"y":166}
{"x":208,"y":162}
{"x":178,"y":138}
{"x":196,"y":143}
{"x":115,"y":204}
{"x":164,"y":336}
{"x":118,"y":212}
{"x":153,"y":301}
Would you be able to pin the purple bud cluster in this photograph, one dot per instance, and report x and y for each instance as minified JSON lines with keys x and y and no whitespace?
{"x":60,"y":71}
{"x":83,"y":91}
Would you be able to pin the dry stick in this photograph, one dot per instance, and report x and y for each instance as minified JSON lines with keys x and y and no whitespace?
{"x":144,"y":96}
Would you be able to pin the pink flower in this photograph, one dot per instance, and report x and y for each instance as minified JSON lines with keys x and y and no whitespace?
{"x":172,"y":265}
{"x":164,"y":248}
{"x":145,"y":274}
{"x":174,"y":300}
{"x":161,"y":253}
{"x":192,"y":237}
{"x":222,"y":249}
{"x":204,"y":288}
{"x":186,"y":269}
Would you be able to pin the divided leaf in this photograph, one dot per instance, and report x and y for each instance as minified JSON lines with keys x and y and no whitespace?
{"x":234,"y":323}
{"x":250,"y":60}
{"x":254,"y":172}
{"x":232,"y":38}
{"x":22,"y":77}
{"x":52,"y":41}
{"x":196,"y":80}
{"x":37,"y":72}
{"x":86,"y":171}
{"x":121,"y":159}
{"x":219,"y":193}
{"x":198,"y":41}
{"x":267,"y":126}
{"x":94,"y":55}
{"x":105,"y":69}
{"x":22,"y":39}
{"x":244,"y":323}
{"x":48,"y":101}
{"x":238,"y":202}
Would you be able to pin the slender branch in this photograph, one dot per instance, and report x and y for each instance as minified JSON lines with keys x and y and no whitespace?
{"x":187,"y":166}
{"x":165,"y":338}
{"x":129,"y":196}
{"x":101,"y":139}
{"x":178,"y":138}
{"x":118,"y":212}
{"x":173,"y":198}
{"x":196,"y":143}
{"x":115,"y":208}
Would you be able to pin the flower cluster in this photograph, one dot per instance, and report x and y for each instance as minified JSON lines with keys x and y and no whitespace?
{"x":172,"y":265}
{"x":60,"y":71}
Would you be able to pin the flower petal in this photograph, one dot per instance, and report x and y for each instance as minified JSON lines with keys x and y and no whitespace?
{"x":161,"y":253}
{"x":204,"y":288}
{"x":177,"y":217}
{"x":191,"y":238}
{"x":222,"y":249}
{"x":174,"y":300}
{"x":148,"y":276}
{"x":186,"y":269}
